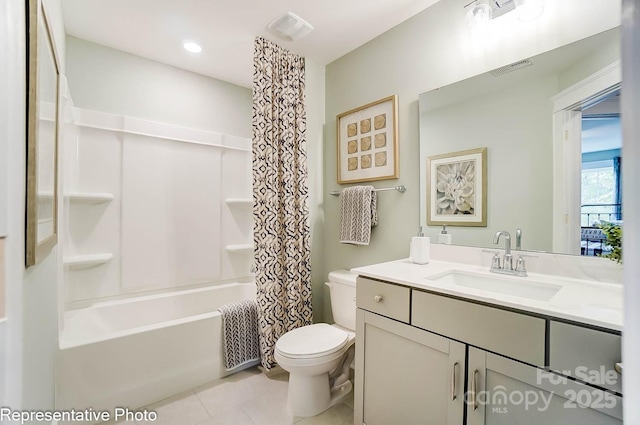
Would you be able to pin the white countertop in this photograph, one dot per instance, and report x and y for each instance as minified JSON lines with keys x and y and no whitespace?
{"x":583,"y":301}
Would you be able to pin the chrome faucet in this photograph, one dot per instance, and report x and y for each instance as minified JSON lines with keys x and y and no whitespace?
{"x":506,"y":265}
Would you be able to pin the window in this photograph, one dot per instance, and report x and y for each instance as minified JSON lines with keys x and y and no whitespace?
{"x":601,"y":152}
{"x":598,"y":192}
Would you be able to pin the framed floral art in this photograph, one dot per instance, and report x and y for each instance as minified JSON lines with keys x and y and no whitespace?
{"x":368,"y":142}
{"x":457,"y":188}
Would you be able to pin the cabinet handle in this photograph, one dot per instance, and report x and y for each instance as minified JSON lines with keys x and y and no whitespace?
{"x":618,"y":368}
{"x":377,"y":298}
{"x":453,"y":380}
{"x":474,"y":389}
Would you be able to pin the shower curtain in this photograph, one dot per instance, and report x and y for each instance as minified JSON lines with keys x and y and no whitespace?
{"x":280,"y":195}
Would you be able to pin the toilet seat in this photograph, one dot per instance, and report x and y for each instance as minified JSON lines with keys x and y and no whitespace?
{"x":312,"y":341}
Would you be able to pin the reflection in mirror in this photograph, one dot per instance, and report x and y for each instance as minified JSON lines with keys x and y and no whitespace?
{"x":601,"y":168}
{"x":510,"y":111}
{"x":42,"y":137}
{"x":46,"y":137}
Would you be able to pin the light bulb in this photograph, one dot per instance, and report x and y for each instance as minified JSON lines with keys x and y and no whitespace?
{"x":479,"y":14}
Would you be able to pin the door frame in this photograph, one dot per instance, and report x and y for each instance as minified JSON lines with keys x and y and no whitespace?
{"x":567,"y":153}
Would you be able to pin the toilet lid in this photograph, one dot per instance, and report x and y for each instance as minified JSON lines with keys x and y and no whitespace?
{"x":312,"y":341}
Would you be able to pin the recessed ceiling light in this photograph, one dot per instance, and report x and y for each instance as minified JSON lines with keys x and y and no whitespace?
{"x":192,"y":46}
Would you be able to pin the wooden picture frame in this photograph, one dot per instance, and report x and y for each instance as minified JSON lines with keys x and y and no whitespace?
{"x":457,"y":188}
{"x":43,"y":73}
{"x":367,"y":142}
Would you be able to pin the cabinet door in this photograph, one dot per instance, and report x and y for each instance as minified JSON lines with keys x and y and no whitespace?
{"x":587,"y":354}
{"x":502,"y":391}
{"x":406,"y":376}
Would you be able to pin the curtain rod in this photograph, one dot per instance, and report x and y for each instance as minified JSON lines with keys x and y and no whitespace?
{"x":402,"y":188}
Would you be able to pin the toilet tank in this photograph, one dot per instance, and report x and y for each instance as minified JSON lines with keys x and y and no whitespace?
{"x":342,"y":290}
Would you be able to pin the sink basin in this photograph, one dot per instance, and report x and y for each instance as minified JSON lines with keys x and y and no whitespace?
{"x":517,"y":286}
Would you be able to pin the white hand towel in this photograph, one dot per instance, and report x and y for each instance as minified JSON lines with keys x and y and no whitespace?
{"x":358,"y":214}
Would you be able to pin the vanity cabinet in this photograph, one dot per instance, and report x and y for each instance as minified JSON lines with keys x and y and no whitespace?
{"x":407,"y":375}
{"x":515,"y":335}
{"x":502,"y":391}
{"x":426,"y":358}
{"x":586,"y":354}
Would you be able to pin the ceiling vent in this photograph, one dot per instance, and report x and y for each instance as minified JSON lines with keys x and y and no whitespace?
{"x":290,"y":27}
{"x":511,"y":67}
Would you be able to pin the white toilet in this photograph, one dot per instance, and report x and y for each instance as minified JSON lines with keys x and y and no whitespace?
{"x":318,"y":357}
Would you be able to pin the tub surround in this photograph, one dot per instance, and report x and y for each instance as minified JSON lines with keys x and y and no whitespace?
{"x":584,"y":296}
{"x":113,"y":208}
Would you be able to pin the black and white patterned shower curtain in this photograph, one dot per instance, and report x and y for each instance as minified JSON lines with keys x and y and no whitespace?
{"x":280,"y":195}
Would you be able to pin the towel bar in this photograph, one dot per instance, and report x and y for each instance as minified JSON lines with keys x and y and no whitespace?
{"x":402,"y":188}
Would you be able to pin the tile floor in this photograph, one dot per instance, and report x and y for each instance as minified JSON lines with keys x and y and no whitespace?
{"x":245,"y":398}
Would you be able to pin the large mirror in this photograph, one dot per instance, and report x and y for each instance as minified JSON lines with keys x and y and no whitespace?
{"x":531,"y":175}
{"x":42,"y":137}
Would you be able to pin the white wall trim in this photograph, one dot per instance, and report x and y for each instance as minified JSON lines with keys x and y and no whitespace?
{"x":123,"y":124}
{"x":592,"y":86}
{"x":567,"y":131}
{"x":567,"y":136}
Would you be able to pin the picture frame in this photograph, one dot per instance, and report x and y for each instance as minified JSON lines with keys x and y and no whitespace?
{"x":43,"y":86}
{"x":457,"y":188}
{"x":367,"y":142}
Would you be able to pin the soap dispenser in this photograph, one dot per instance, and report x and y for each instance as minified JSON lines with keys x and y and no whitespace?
{"x":419,"y":249}
{"x":444,"y":237}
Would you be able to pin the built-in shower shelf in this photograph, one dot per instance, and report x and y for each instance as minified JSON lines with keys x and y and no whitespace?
{"x":240,"y":202}
{"x":89,"y":198}
{"x":240,"y":249}
{"x":78,"y":262}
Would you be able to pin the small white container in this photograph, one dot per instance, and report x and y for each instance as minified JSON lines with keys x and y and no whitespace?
{"x":419,"y":248}
{"x":444,"y":237}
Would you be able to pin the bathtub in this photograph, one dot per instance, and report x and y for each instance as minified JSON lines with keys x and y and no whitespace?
{"x":134,"y":352}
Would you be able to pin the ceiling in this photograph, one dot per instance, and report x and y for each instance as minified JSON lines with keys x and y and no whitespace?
{"x":156,"y":29}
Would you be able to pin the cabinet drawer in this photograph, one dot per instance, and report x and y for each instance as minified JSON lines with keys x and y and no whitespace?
{"x":515,"y":335}
{"x":586,"y":354}
{"x":383,"y":298}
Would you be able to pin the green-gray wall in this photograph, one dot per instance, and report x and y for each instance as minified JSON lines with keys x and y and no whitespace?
{"x":430,"y":50}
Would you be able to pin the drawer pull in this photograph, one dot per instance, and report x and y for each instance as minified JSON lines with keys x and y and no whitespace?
{"x":453,"y":380}
{"x":474,"y":389}
{"x":377,"y":298}
{"x":618,"y":368}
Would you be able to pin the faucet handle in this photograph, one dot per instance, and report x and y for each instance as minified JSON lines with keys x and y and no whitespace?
{"x":520,"y":265}
{"x":495,"y":262}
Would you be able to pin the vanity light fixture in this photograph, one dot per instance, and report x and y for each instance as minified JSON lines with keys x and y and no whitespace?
{"x":482,"y":11}
{"x":290,"y":27}
{"x":529,"y":10}
{"x":192,"y":46}
{"x":479,"y":14}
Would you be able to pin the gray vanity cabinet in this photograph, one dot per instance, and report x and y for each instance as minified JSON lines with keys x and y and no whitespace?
{"x":502,"y":391}
{"x":407,"y":376}
{"x":426,"y":358}
{"x":515,"y":335}
{"x":587,"y":354}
